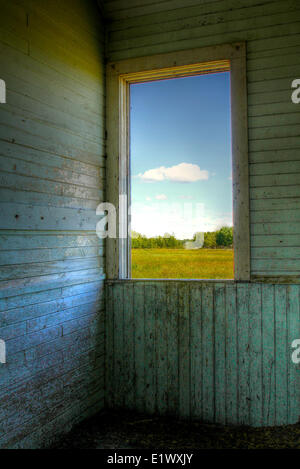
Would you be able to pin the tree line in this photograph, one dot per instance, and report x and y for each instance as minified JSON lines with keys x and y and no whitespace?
{"x":222,"y":238}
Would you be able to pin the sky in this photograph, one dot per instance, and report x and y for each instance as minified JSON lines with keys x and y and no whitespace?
{"x":180,"y":148}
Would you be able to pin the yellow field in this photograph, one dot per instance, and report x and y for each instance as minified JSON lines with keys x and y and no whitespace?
{"x":181,"y":263}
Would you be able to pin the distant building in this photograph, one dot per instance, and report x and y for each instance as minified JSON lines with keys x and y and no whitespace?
{"x":197,"y":244}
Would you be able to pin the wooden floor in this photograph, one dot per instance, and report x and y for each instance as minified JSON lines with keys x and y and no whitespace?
{"x":127,"y":430}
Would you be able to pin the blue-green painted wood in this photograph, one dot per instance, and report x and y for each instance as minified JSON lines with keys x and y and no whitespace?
{"x":281,"y":373}
{"x":150,"y":363}
{"x":293,"y":317}
{"x":220,"y":352}
{"x":162,"y":350}
{"x":270,"y":29}
{"x":184,"y":349}
{"x":119,"y":382}
{"x":196,"y":352}
{"x":208,"y":360}
{"x":173,"y":352}
{"x":139,"y":344}
{"x":231,"y":379}
{"x":228,"y":350}
{"x":52,"y":175}
{"x":129,"y":334}
{"x":268,"y":350}
{"x":255,"y":348}
{"x":243,"y":352}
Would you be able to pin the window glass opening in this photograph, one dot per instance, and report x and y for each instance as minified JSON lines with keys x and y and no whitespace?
{"x":181,"y":178}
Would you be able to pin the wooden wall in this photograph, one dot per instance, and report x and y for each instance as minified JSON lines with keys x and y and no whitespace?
{"x":272,"y":31}
{"x":219,"y":352}
{"x":51,"y":180}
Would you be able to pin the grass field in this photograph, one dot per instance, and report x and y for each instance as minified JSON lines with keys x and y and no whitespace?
{"x":181,"y":263}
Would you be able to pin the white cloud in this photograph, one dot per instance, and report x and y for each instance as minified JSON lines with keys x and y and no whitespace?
{"x":148,"y":199}
{"x":183,"y":219}
{"x":183,"y":172}
{"x":161,"y":197}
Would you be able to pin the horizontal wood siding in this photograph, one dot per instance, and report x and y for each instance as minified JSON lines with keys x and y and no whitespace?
{"x":271,"y":29}
{"x":218,"y":352}
{"x":52,"y":162}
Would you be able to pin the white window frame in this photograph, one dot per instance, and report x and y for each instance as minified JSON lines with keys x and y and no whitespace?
{"x":120,"y":74}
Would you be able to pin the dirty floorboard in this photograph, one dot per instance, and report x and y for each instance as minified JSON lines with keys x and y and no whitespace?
{"x":126,"y":430}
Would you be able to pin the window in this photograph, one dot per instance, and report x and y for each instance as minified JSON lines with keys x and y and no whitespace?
{"x":120,"y":76}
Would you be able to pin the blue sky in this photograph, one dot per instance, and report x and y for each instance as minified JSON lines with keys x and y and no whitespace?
{"x":181,"y":155}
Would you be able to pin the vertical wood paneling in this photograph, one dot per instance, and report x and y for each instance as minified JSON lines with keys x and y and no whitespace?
{"x":208,"y":352}
{"x":196,"y":351}
{"x":220,"y":352}
{"x":281,"y":366}
{"x":255,"y":348}
{"x":150,"y":355}
{"x":139,"y":344}
{"x":268,"y":350}
{"x":128,"y":356}
{"x":119,"y":369}
{"x":243,"y":353}
{"x":184,"y":349}
{"x":293,"y":331}
{"x":161,"y":349}
{"x":231,"y":356}
{"x":173,"y":358}
{"x":109,"y":347}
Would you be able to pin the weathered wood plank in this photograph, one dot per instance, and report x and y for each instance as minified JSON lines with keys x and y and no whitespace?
{"x":119,"y":371}
{"x":242,"y":304}
{"x":24,"y":271}
{"x":56,"y":294}
{"x":42,"y":310}
{"x":275,"y":240}
{"x":139,"y":344}
{"x":208,"y":353}
{"x":275,"y":228}
{"x":234,"y":25}
{"x":10,"y":288}
{"x":275,"y":204}
{"x":220,"y":352}
{"x":162,"y":349}
{"x":280,"y":253}
{"x":129,"y":337}
{"x":188,"y":18}
{"x":150,"y":344}
{"x":29,"y":240}
{"x":279,"y":30}
{"x":276,"y":265}
{"x":11,"y":257}
{"x":184,"y":349}
{"x":196,"y":351}
{"x":29,"y":169}
{"x":231,"y":396}
{"x":173,"y":352}
{"x":268,"y":350}
{"x":293,"y":331}
{"x":52,"y":175}
{"x":255,"y":349}
{"x":281,"y":365}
